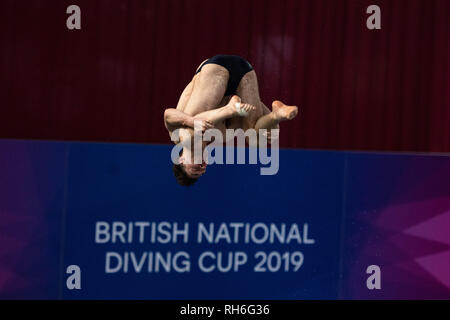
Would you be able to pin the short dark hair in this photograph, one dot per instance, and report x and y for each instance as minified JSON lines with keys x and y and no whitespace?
{"x":182,"y":178}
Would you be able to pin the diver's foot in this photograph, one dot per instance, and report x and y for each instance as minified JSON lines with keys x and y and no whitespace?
{"x":284,"y":112}
{"x":240,"y":109}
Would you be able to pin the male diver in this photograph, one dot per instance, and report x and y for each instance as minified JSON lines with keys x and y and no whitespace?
{"x":223,"y":94}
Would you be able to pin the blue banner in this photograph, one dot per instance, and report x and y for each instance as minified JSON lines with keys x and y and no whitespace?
{"x":308,"y":232}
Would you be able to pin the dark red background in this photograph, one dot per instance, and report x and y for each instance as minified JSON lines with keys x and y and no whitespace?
{"x":386,"y":89}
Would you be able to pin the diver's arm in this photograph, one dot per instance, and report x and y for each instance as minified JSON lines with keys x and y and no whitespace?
{"x":174,"y":119}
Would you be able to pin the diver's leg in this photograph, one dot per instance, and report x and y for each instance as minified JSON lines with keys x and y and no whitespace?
{"x":263,"y":118}
{"x":185,"y":96}
{"x":209,"y":87}
{"x":280,"y":112}
{"x":248,"y":91}
{"x":230,"y":110}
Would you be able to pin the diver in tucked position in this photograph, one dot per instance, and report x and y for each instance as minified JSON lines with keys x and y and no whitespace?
{"x":223,"y":94}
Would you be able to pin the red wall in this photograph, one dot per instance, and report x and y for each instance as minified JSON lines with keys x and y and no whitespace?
{"x":357,"y":89}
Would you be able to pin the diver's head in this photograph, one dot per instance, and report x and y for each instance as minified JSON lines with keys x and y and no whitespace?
{"x":187,"y":172}
{"x":182,"y":178}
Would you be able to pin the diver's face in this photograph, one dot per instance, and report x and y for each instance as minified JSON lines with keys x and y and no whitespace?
{"x":194,"y":170}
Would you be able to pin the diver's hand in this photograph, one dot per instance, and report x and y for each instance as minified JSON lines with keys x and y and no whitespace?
{"x":202,"y":124}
